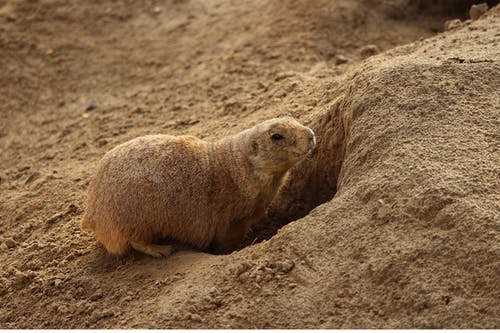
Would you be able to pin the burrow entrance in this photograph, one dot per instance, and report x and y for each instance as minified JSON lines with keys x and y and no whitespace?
{"x":314,"y":181}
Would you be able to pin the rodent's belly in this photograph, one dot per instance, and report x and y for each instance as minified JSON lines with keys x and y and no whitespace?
{"x":199,"y":233}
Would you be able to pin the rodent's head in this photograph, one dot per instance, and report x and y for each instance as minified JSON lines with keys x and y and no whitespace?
{"x":280,"y":143}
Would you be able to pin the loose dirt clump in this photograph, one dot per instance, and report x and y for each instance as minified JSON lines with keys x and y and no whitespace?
{"x":394,"y":221}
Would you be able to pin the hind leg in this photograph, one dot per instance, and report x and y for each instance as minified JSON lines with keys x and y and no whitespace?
{"x":153,"y":250}
{"x":114,"y":242}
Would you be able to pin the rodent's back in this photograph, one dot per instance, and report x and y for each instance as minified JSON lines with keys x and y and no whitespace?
{"x":191,"y":190}
{"x":151,"y":184}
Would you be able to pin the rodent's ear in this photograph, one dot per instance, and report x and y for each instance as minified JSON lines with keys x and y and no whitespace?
{"x":255,"y":148}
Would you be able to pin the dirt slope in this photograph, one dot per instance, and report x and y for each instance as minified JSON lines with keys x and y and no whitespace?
{"x":406,"y":172}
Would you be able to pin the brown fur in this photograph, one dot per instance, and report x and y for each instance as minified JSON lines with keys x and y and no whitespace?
{"x":205,"y":194}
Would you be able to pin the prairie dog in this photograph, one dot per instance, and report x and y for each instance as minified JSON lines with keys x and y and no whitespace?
{"x":205,"y":194}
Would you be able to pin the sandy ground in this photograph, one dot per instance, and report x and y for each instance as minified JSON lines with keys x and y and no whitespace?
{"x":394,"y":222}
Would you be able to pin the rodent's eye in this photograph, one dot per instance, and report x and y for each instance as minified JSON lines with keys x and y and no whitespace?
{"x":276,"y":137}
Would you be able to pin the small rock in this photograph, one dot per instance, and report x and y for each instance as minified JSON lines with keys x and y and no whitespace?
{"x":102,"y":142}
{"x":72,"y":209}
{"x":476,"y":11}
{"x":178,"y":107}
{"x":452,"y":24}
{"x":58,"y":283}
{"x":20,"y":278}
{"x":91,"y":105}
{"x":12,"y":17}
{"x":241,"y":268}
{"x":263,"y":85}
{"x":187,"y":122}
{"x":340,"y":59}
{"x":157,"y":10}
{"x":212,"y":291}
{"x":98,"y":315}
{"x":96,"y":296}
{"x":283,"y":75}
{"x":243,"y":276}
{"x":32,"y":177}
{"x":280,"y":93}
{"x":10,"y":243}
{"x":217,"y":49}
{"x":286,"y":266}
{"x":54,"y":218}
{"x":368,"y":51}
{"x":194,"y":317}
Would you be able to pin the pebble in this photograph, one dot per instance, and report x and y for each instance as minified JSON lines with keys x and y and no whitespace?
{"x":72,"y":208}
{"x":340,"y":59}
{"x":20,"y":278}
{"x":452,"y":24}
{"x":55,"y":218}
{"x":98,"y":315}
{"x":284,"y":75}
{"x":243,"y":276}
{"x":58,"y":283}
{"x":96,"y":296}
{"x":91,"y":105}
{"x":23,"y":168}
{"x":263,"y":85}
{"x":12,"y":17}
{"x":280,"y":93}
{"x":241,"y":268}
{"x":10,"y":243}
{"x":286,"y":266}
{"x":217,"y":49}
{"x":368,"y":51}
{"x":34,"y":175}
{"x":194,"y":317}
